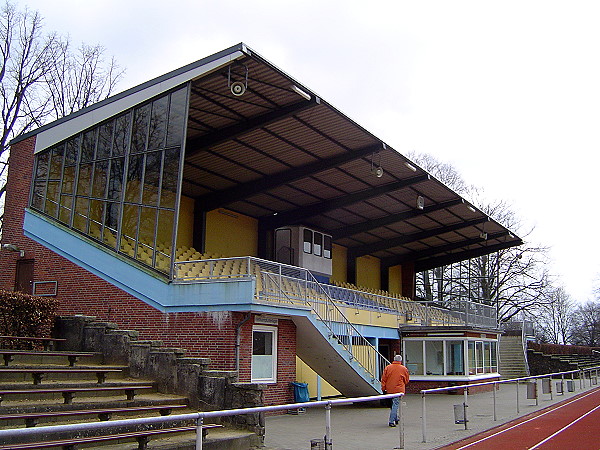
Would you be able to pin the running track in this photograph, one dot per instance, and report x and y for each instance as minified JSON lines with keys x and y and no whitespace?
{"x":572,"y":424}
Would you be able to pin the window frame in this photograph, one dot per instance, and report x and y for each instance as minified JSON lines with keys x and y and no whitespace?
{"x":274,"y":354}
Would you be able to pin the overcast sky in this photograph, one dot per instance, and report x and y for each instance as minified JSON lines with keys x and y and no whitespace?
{"x":508,"y":92}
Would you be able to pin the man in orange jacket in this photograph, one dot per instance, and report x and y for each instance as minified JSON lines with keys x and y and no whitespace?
{"x":393,"y":381}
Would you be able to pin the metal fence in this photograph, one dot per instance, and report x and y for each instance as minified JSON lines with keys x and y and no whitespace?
{"x":532,"y":385}
{"x":12,"y":435}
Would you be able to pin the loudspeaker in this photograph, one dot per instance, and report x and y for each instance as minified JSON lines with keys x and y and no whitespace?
{"x":238,"y":88}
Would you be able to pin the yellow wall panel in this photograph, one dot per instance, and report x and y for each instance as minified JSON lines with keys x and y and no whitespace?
{"x":231,"y":234}
{"x":338,"y":262}
{"x":368,"y":272}
{"x":395,"y":279}
{"x":305,"y":374}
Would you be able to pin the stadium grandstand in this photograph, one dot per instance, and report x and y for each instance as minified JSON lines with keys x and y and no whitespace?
{"x":227,"y":209}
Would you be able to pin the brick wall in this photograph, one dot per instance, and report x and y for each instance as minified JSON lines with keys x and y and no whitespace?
{"x":205,"y":334}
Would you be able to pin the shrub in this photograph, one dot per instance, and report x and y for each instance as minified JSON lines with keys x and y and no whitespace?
{"x":26,"y":315}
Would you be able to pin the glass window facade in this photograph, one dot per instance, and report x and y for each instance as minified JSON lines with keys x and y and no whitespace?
{"x":118,"y":182}
{"x":447,"y":357}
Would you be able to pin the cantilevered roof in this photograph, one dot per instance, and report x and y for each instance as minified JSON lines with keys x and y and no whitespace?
{"x":285,"y":156}
{"x":281,"y":154}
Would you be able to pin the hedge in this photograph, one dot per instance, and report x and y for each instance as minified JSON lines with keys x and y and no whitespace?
{"x":26,"y":315}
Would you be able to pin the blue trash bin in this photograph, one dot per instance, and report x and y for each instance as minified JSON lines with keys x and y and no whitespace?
{"x":300,"y":392}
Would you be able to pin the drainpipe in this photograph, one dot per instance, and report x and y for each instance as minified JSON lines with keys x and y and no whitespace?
{"x":238,"y":338}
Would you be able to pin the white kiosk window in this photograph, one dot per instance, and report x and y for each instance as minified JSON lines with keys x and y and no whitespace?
{"x":264,"y":354}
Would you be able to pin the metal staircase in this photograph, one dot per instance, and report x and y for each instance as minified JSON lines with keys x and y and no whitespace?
{"x":326,"y":340}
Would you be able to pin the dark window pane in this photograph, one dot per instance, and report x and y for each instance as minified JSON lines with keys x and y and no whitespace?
{"x":121,"y":135}
{"x":88,"y":146}
{"x":39,"y":194}
{"x":100,"y":176}
{"x":96,"y":215}
{"x":80,"y":219}
{"x":52,"y":198}
{"x":71,"y":151}
{"x":152,"y":178}
{"x":56,"y":161}
{"x":84,"y":182}
{"x":134,"y":178}
{"x":129,"y":229}
{"x":111,"y":220}
{"x":41,"y":170}
{"x":158,"y":124}
{"x":66,"y":204}
{"x":105,"y":140}
{"x":170,"y":178}
{"x":147,"y":226}
{"x":318,"y":244}
{"x":68,"y":180}
{"x":166,"y":220}
{"x":115,"y":182}
{"x":141,"y":118}
{"x":327,"y":246}
{"x":177,"y":114}
{"x":307,"y":241}
{"x":262,"y":343}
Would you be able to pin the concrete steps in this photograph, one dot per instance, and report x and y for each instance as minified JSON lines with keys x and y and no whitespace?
{"x":60,"y":375}
{"x":512,"y":361}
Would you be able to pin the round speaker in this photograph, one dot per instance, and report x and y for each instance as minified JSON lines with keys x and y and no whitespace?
{"x":238,"y":88}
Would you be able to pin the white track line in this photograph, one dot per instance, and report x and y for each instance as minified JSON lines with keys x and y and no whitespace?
{"x":526,"y":421}
{"x":563,"y":428}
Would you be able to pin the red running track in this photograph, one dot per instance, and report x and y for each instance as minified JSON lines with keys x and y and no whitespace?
{"x":572,"y":424}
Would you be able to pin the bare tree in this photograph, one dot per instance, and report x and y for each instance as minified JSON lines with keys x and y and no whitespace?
{"x":554,"y":321}
{"x":41,"y":79}
{"x":586,"y":325}
{"x":514,"y":279}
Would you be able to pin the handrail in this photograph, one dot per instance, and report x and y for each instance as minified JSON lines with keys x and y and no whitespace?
{"x":338,"y":325}
{"x":425,"y":312}
{"x":466,"y":387}
{"x":8,"y":435}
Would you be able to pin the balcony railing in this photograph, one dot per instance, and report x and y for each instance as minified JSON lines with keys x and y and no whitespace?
{"x":282,"y":283}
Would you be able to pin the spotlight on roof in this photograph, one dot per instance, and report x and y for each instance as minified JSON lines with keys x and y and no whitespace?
{"x":301,"y":92}
{"x":376,"y":168}
{"x":410,"y":166}
{"x":420,"y":202}
{"x":483,"y":235}
{"x":240,"y":71}
{"x":471,"y":208}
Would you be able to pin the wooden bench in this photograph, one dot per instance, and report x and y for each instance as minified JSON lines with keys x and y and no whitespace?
{"x":73,"y":357}
{"x":69,"y":393}
{"x":31,"y":419}
{"x":38,"y":374}
{"x":142,"y":438}
{"x":47,"y":342}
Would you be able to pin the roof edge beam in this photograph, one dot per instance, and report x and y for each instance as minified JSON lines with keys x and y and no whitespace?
{"x":351,"y":230}
{"x":423,"y":254}
{"x":245,"y":190}
{"x":469,"y":254}
{"x":297,"y":215}
{"x":413,"y":237}
{"x":198,"y":144}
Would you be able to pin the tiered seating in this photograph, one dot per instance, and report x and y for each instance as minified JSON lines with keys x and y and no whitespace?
{"x":62,"y":393}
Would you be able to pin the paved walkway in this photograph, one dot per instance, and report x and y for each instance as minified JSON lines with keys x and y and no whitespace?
{"x":358,"y":427}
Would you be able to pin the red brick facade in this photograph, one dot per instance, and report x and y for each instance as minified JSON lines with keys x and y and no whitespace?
{"x":206,"y":334}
